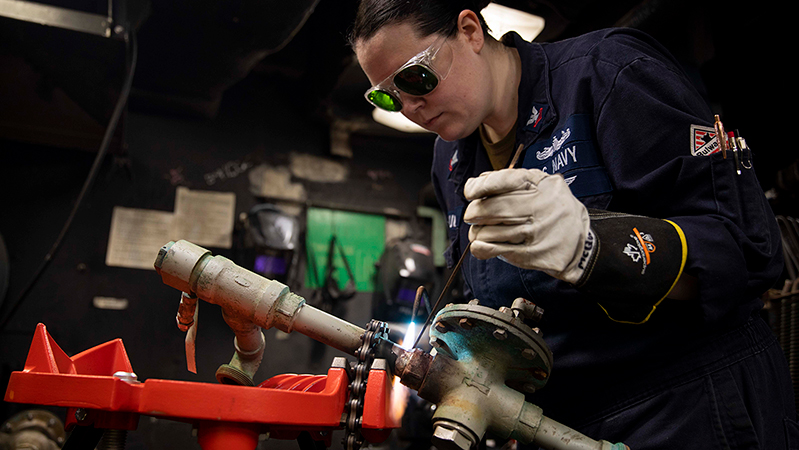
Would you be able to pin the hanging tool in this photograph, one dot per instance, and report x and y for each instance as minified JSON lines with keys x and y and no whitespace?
{"x":188,"y":314}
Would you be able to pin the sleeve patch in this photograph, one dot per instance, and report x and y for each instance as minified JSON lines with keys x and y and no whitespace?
{"x":637,"y":262}
{"x":640,"y":249}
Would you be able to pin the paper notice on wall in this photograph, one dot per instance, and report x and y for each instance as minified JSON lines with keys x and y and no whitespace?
{"x":204,"y":217}
{"x":136,"y":236}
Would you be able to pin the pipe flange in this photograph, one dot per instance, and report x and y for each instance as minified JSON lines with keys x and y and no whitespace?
{"x":34,"y":428}
{"x":516,"y":350}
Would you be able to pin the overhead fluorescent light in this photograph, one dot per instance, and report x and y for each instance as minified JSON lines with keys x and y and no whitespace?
{"x":55,"y":16}
{"x":500,"y":19}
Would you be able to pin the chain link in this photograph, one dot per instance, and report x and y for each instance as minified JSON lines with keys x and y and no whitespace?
{"x":375,"y":330}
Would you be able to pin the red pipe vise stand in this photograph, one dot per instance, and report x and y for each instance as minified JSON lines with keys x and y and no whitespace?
{"x":100,"y":391}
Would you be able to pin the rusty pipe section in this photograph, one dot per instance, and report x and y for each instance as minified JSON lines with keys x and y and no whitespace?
{"x":469,"y":404}
{"x":484,"y":359}
{"x":249,"y":297}
{"x":249,"y":344}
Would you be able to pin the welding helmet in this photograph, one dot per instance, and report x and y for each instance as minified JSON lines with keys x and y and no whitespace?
{"x":405,"y":265}
{"x":275,"y":235}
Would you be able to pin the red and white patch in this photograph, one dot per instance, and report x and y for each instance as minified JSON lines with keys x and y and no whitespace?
{"x":704,"y":141}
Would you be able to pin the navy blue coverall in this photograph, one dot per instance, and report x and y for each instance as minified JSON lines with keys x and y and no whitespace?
{"x":614,"y":114}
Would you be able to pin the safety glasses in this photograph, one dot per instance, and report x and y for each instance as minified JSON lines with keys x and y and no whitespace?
{"x":419,"y":76}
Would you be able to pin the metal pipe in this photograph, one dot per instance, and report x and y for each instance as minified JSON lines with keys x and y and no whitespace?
{"x":553,"y":435}
{"x":249,"y":340}
{"x":250,"y":297}
{"x":466,"y":408}
{"x":249,"y":344}
{"x":470,"y":391}
{"x":328,"y":329}
{"x":469,"y":381}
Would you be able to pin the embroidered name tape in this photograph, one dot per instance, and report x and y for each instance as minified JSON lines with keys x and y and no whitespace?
{"x":570,"y":151}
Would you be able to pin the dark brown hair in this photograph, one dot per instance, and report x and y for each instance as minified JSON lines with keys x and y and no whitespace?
{"x":427,"y":16}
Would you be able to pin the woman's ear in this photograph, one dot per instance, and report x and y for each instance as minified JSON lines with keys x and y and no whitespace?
{"x":469,"y":28}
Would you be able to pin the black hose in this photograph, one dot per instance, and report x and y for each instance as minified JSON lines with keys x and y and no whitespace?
{"x":98,"y":160}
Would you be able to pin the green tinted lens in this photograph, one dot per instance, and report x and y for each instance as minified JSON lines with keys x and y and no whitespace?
{"x":416,"y":80}
{"x":384,"y":100}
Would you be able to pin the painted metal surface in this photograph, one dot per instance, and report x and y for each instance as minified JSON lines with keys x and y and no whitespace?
{"x":284,"y":405}
{"x":497,"y":340}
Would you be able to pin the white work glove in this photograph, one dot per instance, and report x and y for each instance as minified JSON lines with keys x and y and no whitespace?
{"x":529,"y":219}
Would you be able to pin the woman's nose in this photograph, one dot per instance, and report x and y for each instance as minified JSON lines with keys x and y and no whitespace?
{"x":411,"y":103}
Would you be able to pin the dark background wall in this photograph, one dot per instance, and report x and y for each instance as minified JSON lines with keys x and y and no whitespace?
{"x":257,"y":122}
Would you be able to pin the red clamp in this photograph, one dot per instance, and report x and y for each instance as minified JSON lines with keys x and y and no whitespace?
{"x":98,"y":385}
